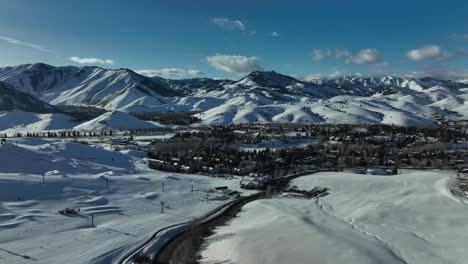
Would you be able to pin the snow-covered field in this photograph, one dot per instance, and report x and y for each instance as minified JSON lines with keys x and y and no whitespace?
{"x":32,"y":230}
{"x":408,"y":218}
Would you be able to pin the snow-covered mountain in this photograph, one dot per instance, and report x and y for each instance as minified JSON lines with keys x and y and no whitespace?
{"x":261,"y":96}
{"x":190,"y":86}
{"x":273,"y":97}
{"x":12,"y":99}
{"x":112,"y":89}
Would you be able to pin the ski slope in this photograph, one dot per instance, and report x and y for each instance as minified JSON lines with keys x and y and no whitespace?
{"x":32,"y":230}
{"x":408,"y":218}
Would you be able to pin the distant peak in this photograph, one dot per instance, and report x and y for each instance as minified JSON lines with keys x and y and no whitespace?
{"x":268,"y":79}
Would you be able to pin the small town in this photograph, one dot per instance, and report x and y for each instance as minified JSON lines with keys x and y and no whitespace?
{"x":281,"y":150}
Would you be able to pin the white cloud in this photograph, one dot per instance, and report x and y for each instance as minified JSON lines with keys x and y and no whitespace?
{"x":234,"y":63}
{"x":319,"y":76}
{"x":237,"y":24}
{"x":91,"y":61}
{"x":427,"y":52}
{"x":440,"y":72}
{"x":275,"y":34}
{"x":437,"y":71}
{"x":318,"y":54}
{"x":321,"y":54}
{"x":459,"y":36}
{"x":21,"y":43}
{"x":228,"y":23}
{"x":341,"y":53}
{"x":366,"y":56}
{"x":220,"y":21}
{"x":170,"y":72}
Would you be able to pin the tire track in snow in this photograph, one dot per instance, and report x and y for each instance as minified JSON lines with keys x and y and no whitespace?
{"x":372,"y":236}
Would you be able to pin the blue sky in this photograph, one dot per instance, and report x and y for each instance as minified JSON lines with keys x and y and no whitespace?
{"x":226,"y":39}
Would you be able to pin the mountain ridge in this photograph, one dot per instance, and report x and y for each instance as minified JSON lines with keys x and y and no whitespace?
{"x":260,"y":96}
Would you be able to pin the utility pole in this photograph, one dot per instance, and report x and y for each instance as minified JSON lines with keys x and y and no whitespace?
{"x":162,"y":207}
{"x":92,"y":220}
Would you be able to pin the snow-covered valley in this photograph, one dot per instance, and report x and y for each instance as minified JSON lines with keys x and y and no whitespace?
{"x":411,"y":217}
{"x":233,"y":132}
{"x":77,"y":139}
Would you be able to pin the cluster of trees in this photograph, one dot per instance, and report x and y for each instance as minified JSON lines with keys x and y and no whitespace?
{"x":76,"y":133}
{"x":214,"y":150}
{"x":172,"y":118}
{"x":350,"y":134}
{"x":67,"y":133}
{"x":81,"y":113}
{"x":146,"y":131}
{"x":207,"y":156}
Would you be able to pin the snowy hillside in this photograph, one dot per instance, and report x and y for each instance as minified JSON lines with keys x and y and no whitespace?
{"x":75,"y":176}
{"x":95,"y":86}
{"x":18,"y":121}
{"x":387,"y":100}
{"x":189,"y":86}
{"x":12,"y":99}
{"x":257,"y":97}
{"x":13,"y":122}
{"x":115,"y":120}
{"x":408,"y":218}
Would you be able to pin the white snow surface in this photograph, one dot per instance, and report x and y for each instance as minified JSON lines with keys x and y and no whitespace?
{"x":408,"y":218}
{"x":18,"y":121}
{"x":32,"y":231}
{"x":115,"y":120}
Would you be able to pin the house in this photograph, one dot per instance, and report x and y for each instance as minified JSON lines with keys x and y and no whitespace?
{"x":377,"y":171}
{"x":359,"y":170}
{"x":463,"y":168}
{"x":382,"y":171}
{"x":256,"y":182}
